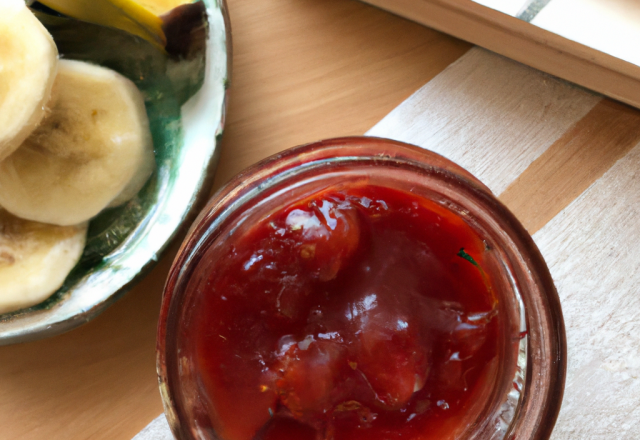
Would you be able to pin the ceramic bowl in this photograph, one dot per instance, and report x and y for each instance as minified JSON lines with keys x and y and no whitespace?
{"x":185,"y":95}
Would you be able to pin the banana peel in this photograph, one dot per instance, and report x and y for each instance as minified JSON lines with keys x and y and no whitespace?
{"x":170,"y":25}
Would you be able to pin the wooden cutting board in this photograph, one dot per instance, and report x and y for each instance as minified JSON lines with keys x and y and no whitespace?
{"x":566,"y":161}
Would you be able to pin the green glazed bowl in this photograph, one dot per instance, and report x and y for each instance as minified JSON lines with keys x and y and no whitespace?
{"x":185,"y":95}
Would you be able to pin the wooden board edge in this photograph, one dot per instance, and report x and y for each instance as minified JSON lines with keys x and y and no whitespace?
{"x":525,"y":43}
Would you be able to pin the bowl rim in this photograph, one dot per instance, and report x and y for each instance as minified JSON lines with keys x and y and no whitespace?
{"x":39,"y":324}
{"x":540,"y":400}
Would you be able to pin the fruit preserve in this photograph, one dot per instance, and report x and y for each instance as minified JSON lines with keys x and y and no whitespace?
{"x":350,"y":314}
{"x":344,"y":300}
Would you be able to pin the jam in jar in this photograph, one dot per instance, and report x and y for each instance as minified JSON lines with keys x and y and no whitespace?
{"x":343,"y":302}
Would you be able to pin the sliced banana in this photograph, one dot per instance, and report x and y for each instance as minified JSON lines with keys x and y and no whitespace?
{"x":35,"y":259}
{"x":28,"y":60}
{"x":137,"y":182}
{"x":93,"y":146}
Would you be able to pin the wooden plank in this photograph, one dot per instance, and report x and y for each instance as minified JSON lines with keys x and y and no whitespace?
{"x":525,"y":43}
{"x":592,"y":250}
{"x":611,"y":26}
{"x":576,"y":160}
{"x":489,"y":114}
{"x":341,"y":68}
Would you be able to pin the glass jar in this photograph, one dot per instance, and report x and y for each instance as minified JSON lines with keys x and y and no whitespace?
{"x":526,"y":392}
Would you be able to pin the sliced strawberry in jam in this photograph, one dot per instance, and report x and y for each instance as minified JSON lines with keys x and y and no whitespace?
{"x":309,"y":372}
{"x":392,"y":358}
{"x":328,"y":236}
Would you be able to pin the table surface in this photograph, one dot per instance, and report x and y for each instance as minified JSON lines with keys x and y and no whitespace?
{"x":302,"y":70}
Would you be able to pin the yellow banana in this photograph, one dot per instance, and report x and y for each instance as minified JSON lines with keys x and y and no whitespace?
{"x":139,"y":17}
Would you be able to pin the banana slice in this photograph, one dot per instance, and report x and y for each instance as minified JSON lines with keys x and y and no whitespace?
{"x":137,"y":182}
{"x":28,"y":60}
{"x":35,"y":259}
{"x":93,"y":146}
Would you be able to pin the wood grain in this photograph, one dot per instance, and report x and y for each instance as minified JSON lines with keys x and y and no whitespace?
{"x":489,"y":114}
{"x":303,"y":70}
{"x":592,"y":250}
{"x":320,"y":69}
{"x":576,"y":160}
{"x":525,"y":43}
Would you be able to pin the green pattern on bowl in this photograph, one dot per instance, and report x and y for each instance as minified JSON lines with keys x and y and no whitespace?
{"x":185,"y":101}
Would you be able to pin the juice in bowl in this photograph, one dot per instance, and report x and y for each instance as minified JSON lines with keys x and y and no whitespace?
{"x":359,"y":288}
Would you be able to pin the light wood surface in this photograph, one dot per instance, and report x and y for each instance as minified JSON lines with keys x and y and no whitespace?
{"x":490,"y":114}
{"x":537,"y":47}
{"x":592,"y":250}
{"x":303,"y":70}
{"x":573,"y":163}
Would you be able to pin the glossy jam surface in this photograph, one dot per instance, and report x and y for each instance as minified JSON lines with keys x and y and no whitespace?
{"x":356,"y":313}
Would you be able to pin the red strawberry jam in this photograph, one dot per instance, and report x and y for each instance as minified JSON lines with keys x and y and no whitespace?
{"x":358,"y":313}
